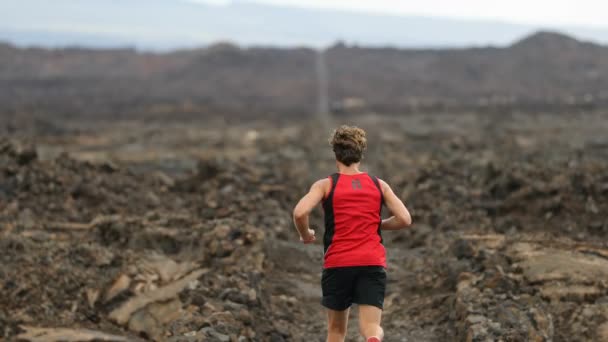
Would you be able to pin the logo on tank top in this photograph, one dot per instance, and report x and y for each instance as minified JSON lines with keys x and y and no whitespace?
{"x":356,"y":184}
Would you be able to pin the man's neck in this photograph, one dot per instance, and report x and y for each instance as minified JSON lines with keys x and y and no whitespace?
{"x":353,"y":169}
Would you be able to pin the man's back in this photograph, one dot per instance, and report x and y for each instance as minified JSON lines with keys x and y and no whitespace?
{"x":352,"y":222}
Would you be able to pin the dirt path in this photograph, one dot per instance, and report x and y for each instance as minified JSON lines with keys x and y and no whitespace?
{"x":417,"y":303}
{"x":414,"y":309}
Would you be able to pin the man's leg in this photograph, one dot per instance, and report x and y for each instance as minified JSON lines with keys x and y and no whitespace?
{"x":337,"y":322}
{"x":369,"y":294}
{"x":369,"y":321}
{"x":337,"y":286}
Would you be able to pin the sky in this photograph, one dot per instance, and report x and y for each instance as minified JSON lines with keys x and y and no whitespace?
{"x":172,"y":24}
{"x":592,"y":13}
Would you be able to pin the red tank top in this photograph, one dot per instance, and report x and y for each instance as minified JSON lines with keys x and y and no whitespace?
{"x":352,"y":222}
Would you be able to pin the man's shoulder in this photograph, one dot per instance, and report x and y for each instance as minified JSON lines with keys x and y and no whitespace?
{"x":323,"y":185}
{"x":323,"y":182}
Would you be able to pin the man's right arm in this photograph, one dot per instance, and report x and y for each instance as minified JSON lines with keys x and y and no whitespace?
{"x":304,"y":207}
{"x":401,"y":216}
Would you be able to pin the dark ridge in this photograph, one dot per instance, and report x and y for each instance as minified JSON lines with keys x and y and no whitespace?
{"x":548,"y":40}
{"x":544,"y":69}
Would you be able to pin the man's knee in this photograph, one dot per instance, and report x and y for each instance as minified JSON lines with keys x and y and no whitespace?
{"x":368,"y":329}
{"x":364,"y":328}
{"x":337,"y":328}
{"x":336,"y":335}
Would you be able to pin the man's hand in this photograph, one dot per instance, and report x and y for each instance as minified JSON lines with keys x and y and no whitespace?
{"x":309,"y":237}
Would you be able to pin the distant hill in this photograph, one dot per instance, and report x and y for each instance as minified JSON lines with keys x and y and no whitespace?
{"x":171,"y":24}
{"x":544,"y":69}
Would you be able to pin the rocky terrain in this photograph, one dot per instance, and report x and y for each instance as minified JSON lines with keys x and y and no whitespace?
{"x":129,"y":231}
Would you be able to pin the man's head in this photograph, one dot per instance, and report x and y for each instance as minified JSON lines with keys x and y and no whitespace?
{"x":348,"y":143}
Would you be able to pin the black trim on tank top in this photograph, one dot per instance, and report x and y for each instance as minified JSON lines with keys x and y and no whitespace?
{"x":377,"y":183}
{"x":328,"y":207}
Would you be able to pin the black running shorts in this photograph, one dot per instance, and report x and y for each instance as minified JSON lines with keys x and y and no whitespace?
{"x":343,"y":286}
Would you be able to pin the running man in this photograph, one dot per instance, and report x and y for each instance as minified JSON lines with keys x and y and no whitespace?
{"x":355,"y":259}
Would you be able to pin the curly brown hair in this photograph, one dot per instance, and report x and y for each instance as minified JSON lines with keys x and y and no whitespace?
{"x":348,"y":143}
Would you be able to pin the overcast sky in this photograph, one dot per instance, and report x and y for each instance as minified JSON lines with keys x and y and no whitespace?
{"x":171,"y":24}
{"x":536,"y":12}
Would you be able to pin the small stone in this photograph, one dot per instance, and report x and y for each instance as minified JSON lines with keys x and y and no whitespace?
{"x":92,"y":296}
{"x":26,"y":154}
{"x":210,"y":332}
{"x":495,"y":326}
{"x":462,"y":249}
{"x":252,"y":295}
{"x":588,"y":312}
{"x":244,"y":316}
{"x":119,"y":285}
{"x":602,"y":332}
{"x":276,"y":337}
{"x":475,"y":319}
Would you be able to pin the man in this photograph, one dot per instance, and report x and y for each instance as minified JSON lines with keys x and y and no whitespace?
{"x":355,"y":259}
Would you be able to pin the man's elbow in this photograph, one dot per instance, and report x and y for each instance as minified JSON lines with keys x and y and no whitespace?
{"x":406,"y":220}
{"x":299,"y":214}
